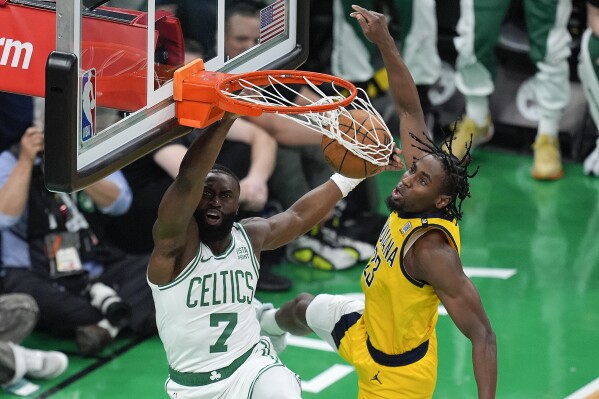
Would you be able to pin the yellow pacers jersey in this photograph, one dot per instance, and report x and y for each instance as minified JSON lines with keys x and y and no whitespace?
{"x":401,"y":312}
{"x":393,"y":345}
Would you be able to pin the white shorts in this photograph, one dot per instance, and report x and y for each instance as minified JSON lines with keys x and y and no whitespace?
{"x":326,"y":310}
{"x":245,"y":382}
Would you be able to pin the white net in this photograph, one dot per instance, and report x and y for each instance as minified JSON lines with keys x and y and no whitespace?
{"x":376,"y":150}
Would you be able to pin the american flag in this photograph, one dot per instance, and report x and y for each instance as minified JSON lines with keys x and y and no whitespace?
{"x":272,"y":21}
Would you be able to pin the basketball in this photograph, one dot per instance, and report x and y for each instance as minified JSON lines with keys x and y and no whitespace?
{"x":365,"y":128}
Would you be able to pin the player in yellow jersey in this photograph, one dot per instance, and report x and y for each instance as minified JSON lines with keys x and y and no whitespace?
{"x":390,"y":337}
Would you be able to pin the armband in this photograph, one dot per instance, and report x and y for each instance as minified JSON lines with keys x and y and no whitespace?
{"x":345,"y":184}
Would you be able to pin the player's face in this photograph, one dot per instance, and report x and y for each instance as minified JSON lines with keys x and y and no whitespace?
{"x":242,"y":34}
{"x":218,"y":207}
{"x":419,"y":190}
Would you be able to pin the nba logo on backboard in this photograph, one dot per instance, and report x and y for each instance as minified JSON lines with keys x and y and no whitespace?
{"x":88,"y":105}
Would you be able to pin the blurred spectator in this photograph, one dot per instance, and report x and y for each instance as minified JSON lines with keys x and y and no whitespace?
{"x":18,"y":316}
{"x":416,"y":23}
{"x":51,"y":251}
{"x":198,"y":20}
{"x":148,"y":178}
{"x":338,"y":47}
{"x":242,"y":29}
{"x":478,"y":29}
{"x":589,"y":77}
{"x":251,"y":153}
{"x":16,"y":115}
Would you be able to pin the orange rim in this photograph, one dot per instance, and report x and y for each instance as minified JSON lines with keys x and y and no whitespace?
{"x":262,"y":78}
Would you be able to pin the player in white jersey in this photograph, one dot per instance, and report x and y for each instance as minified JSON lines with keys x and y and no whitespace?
{"x":203,"y":273}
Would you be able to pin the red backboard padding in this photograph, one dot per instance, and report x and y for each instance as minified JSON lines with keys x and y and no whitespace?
{"x":116,"y":49}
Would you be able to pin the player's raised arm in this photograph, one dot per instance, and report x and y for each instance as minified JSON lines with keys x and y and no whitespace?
{"x":171,"y":238}
{"x":401,"y":84}
{"x":307,"y":211}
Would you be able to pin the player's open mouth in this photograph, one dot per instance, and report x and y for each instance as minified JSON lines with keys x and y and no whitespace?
{"x":396,"y":194}
{"x":213,"y":217}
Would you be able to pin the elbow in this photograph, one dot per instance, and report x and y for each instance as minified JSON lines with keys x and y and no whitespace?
{"x":121,"y":204}
{"x":489,"y":340}
{"x":491,"y":346}
{"x":485,"y":337}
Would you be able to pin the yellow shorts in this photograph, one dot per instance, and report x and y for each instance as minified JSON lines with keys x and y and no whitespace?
{"x":413,"y":381}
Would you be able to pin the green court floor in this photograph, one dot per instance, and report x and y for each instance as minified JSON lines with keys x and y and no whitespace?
{"x":531,"y":248}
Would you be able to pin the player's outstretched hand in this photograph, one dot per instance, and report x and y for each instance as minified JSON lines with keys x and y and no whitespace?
{"x":395,"y":162}
{"x":373,"y":24}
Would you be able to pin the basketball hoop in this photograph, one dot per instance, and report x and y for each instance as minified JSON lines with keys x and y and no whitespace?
{"x":270,"y":91}
{"x":202,"y":98}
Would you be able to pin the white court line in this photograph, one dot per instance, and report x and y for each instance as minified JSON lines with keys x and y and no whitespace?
{"x":503,"y":274}
{"x":484,"y":272}
{"x":326,"y":378}
{"x":308,"y":343}
{"x":586,"y":391}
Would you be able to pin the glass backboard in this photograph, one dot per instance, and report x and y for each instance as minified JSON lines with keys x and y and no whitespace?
{"x":109,"y":83}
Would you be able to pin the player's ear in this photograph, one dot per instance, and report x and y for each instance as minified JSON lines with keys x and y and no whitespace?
{"x":442,"y":201}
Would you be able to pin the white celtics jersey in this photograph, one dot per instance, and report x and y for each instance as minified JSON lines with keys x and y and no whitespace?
{"x":205,"y":316}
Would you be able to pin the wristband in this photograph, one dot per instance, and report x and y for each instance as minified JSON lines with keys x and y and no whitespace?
{"x":268,"y":323}
{"x":345,"y":184}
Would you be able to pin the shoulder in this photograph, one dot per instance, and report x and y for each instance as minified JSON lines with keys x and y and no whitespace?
{"x":255,"y":226}
{"x":257,"y":229}
{"x":433,"y":254}
{"x":432,"y":240}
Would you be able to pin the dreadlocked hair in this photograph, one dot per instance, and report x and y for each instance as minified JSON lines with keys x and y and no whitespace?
{"x":456,"y":182}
